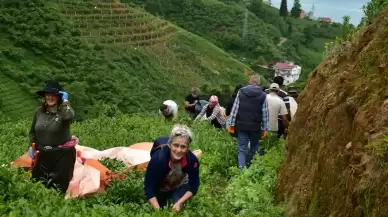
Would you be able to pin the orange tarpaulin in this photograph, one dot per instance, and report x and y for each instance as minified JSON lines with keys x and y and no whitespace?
{"x":90,"y":176}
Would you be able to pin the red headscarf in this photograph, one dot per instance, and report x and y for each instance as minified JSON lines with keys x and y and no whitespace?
{"x":213,"y":102}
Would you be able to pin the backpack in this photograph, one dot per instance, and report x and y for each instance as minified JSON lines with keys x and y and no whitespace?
{"x":159,"y":144}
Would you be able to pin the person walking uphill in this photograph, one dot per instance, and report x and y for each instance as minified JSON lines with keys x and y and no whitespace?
{"x":173,"y":171}
{"x":50,"y":131}
{"x":249,"y":117}
{"x":282,"y":131}
{"x":231,"y":102}
{"x":276,"y":107}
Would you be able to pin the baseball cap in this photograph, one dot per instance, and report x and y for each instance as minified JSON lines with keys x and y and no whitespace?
{"x":274,"y":86}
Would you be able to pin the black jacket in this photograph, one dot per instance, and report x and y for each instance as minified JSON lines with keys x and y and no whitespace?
{"x":249,"y":114}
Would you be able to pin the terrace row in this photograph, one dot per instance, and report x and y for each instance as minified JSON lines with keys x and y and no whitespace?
{"x":127,"y":32}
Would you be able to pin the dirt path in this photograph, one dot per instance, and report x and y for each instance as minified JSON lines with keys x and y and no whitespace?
{"x":263,"y":66}
{"x":282,"y":40}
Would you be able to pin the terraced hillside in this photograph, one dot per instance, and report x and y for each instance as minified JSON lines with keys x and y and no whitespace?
{"x":116,"y":23}
{"x":109,"y":56}
{"x":15,"y":103}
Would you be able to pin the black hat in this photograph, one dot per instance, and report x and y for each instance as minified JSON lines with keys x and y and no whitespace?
{"x":51,"y":87}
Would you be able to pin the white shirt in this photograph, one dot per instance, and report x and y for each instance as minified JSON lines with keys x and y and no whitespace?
{"x":276,"y":107}
{"x":172,"y":107}
{"x":293,"y":107}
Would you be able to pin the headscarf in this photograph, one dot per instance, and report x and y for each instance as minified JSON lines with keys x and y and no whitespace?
{"x":213,"y":102}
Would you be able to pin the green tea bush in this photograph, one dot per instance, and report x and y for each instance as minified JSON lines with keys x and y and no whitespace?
{"x":224,"y":190}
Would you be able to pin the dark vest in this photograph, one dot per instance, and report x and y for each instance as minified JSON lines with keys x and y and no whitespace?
{"x":249,"y":115}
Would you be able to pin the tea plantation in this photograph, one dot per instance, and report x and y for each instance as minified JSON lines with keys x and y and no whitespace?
{"x":224,"y":191}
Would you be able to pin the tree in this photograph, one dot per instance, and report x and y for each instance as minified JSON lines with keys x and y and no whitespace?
{"x":308,"y":32}
{"x":347,"y":28}
{"x":372,"y":9}
{"x":289,"y":29}
{"x":296,"y":9}
{"x":283,"y":9}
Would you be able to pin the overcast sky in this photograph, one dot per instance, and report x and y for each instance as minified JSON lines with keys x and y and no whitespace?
{"x":335,"y":9}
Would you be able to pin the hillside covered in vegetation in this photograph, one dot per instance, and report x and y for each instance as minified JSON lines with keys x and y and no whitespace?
{"x":336,"y":161}
{"x":269,"y":37}
{"x":104,"y":53}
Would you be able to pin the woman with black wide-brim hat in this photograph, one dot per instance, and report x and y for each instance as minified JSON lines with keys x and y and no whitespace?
{"x":50,"y":131}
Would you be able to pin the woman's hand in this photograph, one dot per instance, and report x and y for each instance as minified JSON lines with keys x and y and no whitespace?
{"x":154,"y":203}
{"x":32,"y":153}
{"x":65,"y":95}
{"x":177,"y":207}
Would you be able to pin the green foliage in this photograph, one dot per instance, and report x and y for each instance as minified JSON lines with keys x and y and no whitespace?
{"x":296,"y":9}
{"x":15,"y":101}
{"x":347,"y":28}
{"x":283,"y":9}
{"x":223,"y":188}
{"x":268,"y":14}
{"x":250,"y":192}
{"x":372,"y":9}
{"x":44,"y":40}
{"x":347,"y":32}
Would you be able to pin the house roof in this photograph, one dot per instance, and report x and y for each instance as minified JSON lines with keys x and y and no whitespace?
{"x":279,"y":65}
{"x":326,"y":19}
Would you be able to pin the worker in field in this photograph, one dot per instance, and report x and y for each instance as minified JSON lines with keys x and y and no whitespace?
{"x":282,"y":131}
{"x":230,"y":105}
{"x":231,"y":102}
{"x":293,"y":92}
{"x":173,"y":171}
{"x":168,"y":110}
{"x":214,"y":113}
{"x":249,"y":117}
{"x":192,"y":105}
{"x":50,"y":131}
{"x":276,"y":108}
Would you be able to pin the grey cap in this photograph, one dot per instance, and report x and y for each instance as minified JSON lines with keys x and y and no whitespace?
{"x":274,"y":86}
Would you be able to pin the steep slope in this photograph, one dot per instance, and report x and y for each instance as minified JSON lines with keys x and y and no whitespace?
{"x":108,"y":53}
{"x":336,"y":163}
{"x":223,"y":23}
{"x":15,"y":102}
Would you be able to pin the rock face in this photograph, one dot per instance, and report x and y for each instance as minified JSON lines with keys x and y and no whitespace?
{"x":337,"y":149}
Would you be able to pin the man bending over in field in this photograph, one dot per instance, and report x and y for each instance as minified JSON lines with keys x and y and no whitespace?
{"x":169,"y":109}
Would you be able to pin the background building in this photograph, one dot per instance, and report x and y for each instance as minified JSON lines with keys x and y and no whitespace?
{"x":289,"y":71}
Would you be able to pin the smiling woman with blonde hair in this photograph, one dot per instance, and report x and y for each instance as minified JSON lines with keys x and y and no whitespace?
{"x":173,"y":171}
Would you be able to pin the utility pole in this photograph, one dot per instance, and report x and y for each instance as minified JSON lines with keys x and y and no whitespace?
{"x":313,"y":10}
